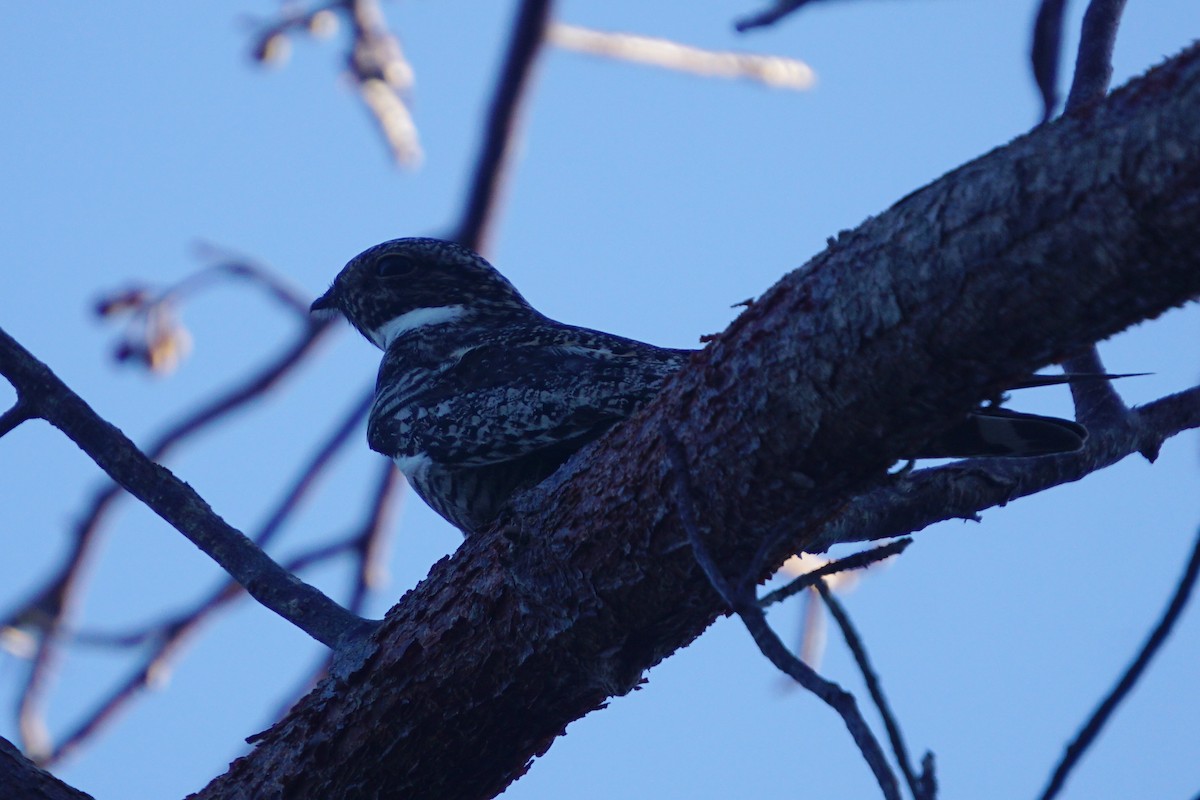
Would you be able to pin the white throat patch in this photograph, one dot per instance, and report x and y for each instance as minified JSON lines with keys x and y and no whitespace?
{"x":386,"y":333}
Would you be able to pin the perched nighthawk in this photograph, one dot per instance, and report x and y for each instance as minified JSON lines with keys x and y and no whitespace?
{"x":480,"y":396}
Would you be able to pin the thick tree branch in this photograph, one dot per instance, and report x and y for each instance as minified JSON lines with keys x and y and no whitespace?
{"x":174,"y":500}
{"x":1062,"y":238}
{"x":21,"y":778}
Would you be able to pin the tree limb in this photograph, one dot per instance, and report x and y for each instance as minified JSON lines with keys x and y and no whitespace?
{"x":1066,"y":236}
{"x":20,"y":777}
{"x":174,"y":500}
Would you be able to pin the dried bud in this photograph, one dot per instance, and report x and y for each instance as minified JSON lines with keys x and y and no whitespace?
{"x":127,"y":300}
{"x":323,"y":24}
{"x":273,"y":50}
{"x":126,"y":351}
{"x":167,"y":341}
{"x":17,"y":642}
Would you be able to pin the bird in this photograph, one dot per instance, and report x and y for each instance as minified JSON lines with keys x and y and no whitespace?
{"x":480,"y":396}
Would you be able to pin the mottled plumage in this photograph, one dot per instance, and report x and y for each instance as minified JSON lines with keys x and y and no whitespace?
{"x":480,"y":396}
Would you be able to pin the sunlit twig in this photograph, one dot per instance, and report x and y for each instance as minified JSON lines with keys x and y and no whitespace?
{"x":775,"y":71}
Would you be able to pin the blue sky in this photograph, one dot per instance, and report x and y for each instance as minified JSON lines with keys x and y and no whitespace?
{"x":644,"y":203}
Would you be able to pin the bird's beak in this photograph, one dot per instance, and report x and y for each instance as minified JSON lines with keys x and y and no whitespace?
{"x":325,"y":303}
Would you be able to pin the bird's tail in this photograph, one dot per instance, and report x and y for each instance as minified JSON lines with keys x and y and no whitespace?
{"x":998,"y":431}
{"x":995,"y":431}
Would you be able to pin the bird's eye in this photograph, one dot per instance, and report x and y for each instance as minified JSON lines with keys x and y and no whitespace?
{"x":396,"y":266}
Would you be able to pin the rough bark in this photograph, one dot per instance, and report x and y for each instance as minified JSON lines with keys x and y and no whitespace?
{"x":21,"y":778}
{"x":1062,"y":238}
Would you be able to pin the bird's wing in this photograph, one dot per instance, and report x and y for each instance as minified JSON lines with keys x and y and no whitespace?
{"x":500,"y":402}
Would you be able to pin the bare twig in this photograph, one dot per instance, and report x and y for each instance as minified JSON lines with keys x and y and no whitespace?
{"x":20,"y":412}
{"x":170,"y":635}
{"x":1093,"y":72}
{"x":367,"y":546}
{"x":226,"y":262}
{"x":1100,"y":716}
{"x":384,"y":79}
{"x":52,"y":602}
{"x":154,"y":335}
{"x":856,"y":561}
{"x":775,"y":71}
{"x":917,"y":784}
{"x":372,"y":536}
{"x":1093,"y":64}
{"x":1045,"y":52}
{"x":270,"y":44}
{"x":174,"y":500}
{"x":314,"y":467}
{"x":376,"y":61}
{"x":741,"y":601}
{"x":491,"y":167}
{"x":173,"y":635}
{"x":770,"y":16}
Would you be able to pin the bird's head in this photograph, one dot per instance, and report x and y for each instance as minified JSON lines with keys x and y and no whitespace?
{"x":406,"y":284}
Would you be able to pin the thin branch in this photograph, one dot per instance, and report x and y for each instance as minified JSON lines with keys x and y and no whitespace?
{"x":770,"y":16}
{"x":774,"y":71}
{"x":1093,"y":63}
{"x":53,"y":601}
{"x":376,"y":61}
{"x":499,"y":138}
{"x":372,"y":536}
{"x":1093,"y":72}
{"x":384,"y":78}
{"x":743,"y":604}
{"x":173,"y":636}
{"x":154,"y":335}
{"x":367,"y":546}
{"x":175,"y":501}
{"x":313,"y":468}
{"x":290,"y":501}
{"x":20,"y":412}
{"x":860,"y":560}
{"x":227,"y":262}
{"x":917,"y":784}
{"x":1087,"y":735}
{"x":1045,"y":52}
